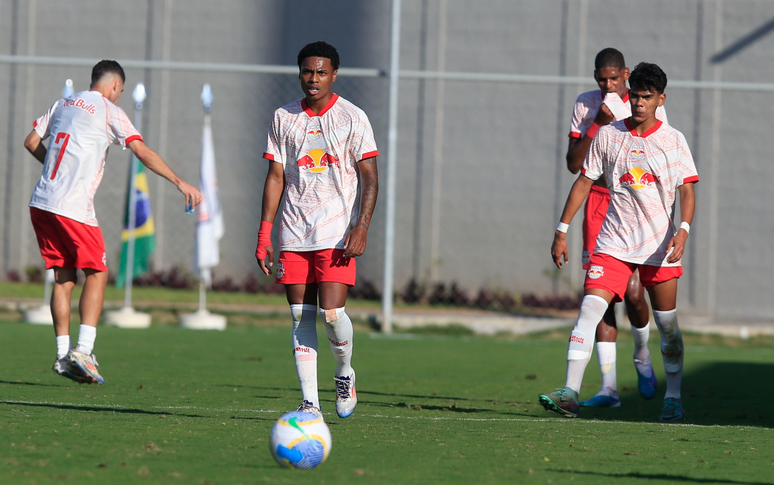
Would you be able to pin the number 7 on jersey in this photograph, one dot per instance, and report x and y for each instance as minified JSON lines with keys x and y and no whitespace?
{"x":59,"y":137}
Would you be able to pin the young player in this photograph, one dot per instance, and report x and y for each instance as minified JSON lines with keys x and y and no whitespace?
{"x":646,"y":162}
{"x":317,"y":147}
{"x":82,"y":127}
{"x":594,"y":109}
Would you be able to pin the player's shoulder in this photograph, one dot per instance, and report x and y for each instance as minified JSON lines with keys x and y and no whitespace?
{"x":347,"y":107}
{"x":293,"y":108}
{"x":590,"y":98}
{"x":668,"y":131}
{"x":614,"y":128}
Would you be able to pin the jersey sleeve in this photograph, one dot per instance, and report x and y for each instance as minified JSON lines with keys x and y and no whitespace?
{"x":121,"y":131}
{"x":42,"y":124}
{"x":273,"y":150}
{"x":592,"y":164}
{"x":687,"y":168}
{"x":363,"y":145}
{"x":579,"y":112}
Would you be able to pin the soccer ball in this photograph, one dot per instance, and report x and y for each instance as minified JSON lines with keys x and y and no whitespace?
{"x":300,"y":440}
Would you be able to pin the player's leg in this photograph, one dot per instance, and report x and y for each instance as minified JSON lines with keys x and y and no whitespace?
{"x":336,"y":274}
{"x":606,"y":335}
{"x":64,"y":282}
{"x":639,"y":316}
{"x":663,"y":297}
{"x":90,"y":309}
{"x":296,"y":272}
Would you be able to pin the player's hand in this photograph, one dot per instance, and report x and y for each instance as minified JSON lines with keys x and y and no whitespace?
{"x":604,"y":116}
{"x":263,"y":256}
{"x":676,"y":246}
{"x":355,"y":244}
{"x":559,"y":249}
{"x":192,"y":195}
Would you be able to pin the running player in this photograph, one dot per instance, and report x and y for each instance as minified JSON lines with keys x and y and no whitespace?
{"x":317,"y":147}
{"x":82,"y":127}
{"x":594,"y":109}
{"x":646,"y":163}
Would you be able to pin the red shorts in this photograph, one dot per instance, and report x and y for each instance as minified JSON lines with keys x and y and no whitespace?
{"x":594,"y":216}
{"x":612,"y":275}
{"x":323,"y":266}
{"x":66,"y":243}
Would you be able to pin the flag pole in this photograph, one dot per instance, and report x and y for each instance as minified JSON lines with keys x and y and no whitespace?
{"x":207,"y":104}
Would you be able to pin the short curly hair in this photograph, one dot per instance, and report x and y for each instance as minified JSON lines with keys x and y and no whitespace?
{"x":646,"y":77}
{"x":319,"y":49}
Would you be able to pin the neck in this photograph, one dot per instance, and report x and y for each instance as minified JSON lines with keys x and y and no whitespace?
{"x":643,"y":126}
{"x":317,"y":105}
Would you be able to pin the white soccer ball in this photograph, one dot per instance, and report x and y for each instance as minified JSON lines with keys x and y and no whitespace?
{"x":300,"y":440}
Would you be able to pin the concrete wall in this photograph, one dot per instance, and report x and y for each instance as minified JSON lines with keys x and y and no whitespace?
{"x":481,"y":173}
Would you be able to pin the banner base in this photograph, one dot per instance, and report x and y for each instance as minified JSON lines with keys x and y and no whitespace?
{"x":127,"y":318}
{"x":39,"y":316}
{"x":203,"y":320}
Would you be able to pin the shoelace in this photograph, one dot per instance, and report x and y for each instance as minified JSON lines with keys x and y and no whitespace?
{"x":342,"y":387}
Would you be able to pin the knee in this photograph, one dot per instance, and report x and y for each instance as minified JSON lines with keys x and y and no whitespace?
{"x":635,"y":293}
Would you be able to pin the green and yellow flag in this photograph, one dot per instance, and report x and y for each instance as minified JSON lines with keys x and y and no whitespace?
{"x":144,"y":230}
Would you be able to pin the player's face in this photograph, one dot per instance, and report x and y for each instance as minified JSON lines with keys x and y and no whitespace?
{"x":612,"y":80}
{"x":644,"y":103}
{"x":317,"y":76}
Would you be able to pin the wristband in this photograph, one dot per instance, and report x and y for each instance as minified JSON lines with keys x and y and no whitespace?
{"x":593,"y":129}
{"x":686,"y":226}
{"x":264,"y":239}
{"x":562,"y":227}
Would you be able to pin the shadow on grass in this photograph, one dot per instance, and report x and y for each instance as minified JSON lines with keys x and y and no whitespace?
{"x":658,"y":476}
{"x":99,"y":409}
{"x":722,"y":393}
{"x":21,"y":383}
{"x":359,"y":392}
{"x":449,"y":409}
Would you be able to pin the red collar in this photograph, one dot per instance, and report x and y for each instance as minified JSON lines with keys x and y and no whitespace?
{"x":652,"y":129}
{"x":328,"y":106}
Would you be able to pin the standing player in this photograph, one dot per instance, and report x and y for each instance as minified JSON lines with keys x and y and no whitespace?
{"x":594,"y":109}
{"x":82,"y":127}
{"x":646,"y":162}
{"x":317,"y":147}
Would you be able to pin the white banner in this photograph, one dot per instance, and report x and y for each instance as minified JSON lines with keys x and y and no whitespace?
{"x":209,"y":223}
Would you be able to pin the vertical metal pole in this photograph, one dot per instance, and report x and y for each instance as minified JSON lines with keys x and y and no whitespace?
{"x":392,"y":144}
{"x":139,"y":97}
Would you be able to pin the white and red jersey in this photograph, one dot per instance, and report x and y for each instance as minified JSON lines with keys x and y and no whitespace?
{"x":643,"y":174}
{"x":81,"y":127}
{"x":587,"y":106}
{"x":319,"y":153}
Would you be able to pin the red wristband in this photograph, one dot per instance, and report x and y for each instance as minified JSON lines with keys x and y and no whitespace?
{"x":592,"y":131}
{"x":264,"y":239}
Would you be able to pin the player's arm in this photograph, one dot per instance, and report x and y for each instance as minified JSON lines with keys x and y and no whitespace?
{"x":272,"y":195}
{"x":369,"y":179}
{"x":34,"y":145}
{"x":157,"y":165}
{"x":580,"y":190}
{"x":577,"y":148}
{"x":687,"y":208}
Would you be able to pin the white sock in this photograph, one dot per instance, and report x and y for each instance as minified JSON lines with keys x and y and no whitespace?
{"x":305,"y":350}
{"x":582,"y":339}
{"x":606,"y":355}
{"x":86,"y":337}
{"x":338,"y":326}
{"x":641,"y":352}
{"x":62,"y":346}
{"x":671,"y":350}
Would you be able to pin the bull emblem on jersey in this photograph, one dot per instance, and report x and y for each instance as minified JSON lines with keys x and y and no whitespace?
{"x":317,"y":161}
{"x":637,"y":178}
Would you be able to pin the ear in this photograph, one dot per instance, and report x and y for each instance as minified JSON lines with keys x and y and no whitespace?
{"x":661,"y":99}
{"x":334,"y":75}
{"x":626,"y":73}
{"x":596,"y":75}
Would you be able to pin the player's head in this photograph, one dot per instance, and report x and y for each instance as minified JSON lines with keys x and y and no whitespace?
{"x":610,"y":71}
{"x":108,"y":78}
{"x":647,"y":83}
{"x":318,"y":64}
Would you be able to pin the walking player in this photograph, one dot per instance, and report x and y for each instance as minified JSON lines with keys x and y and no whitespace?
{"x":317,"y":147}
{"x":82,"y":127}
{"x":646,"y":163}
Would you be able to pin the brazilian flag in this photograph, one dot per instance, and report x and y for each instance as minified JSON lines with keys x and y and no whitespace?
{"x":144,"y":230}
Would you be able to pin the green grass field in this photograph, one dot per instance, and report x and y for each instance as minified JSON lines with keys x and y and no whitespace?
{"x":190,"y":407}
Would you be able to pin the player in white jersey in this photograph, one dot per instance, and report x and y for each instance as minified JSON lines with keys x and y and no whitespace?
{"x":81,"y":128}
{"x":646,"y":163}
{"x":317,"y":146}
{"x":594,"y":109}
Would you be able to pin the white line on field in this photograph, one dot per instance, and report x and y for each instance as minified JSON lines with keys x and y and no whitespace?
{"x":384,"y":416}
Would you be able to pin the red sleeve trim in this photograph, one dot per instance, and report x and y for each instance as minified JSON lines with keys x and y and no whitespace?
{"x":268,"y":156}
{"x":35,"y":124}
{"x":133,"y":138}
{"x":368,"y":155}
{"x":574,"y":135}
{"x":691,"y":180}
{"x":583,"y":171}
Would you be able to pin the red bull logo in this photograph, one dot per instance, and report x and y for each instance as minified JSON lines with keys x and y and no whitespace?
{"x":637,"y":178}
{"x":314,"y":134}
{"x":596,"y":272}
{"x":317,"y":161}
{"x":637,"y":153}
